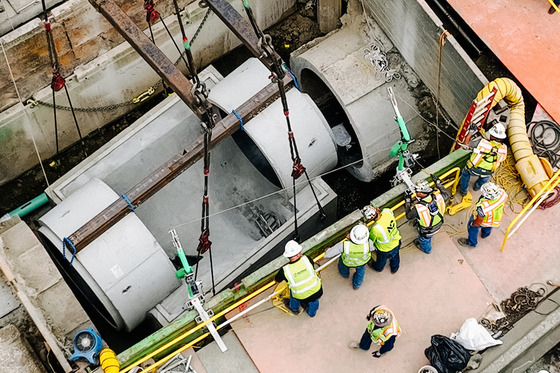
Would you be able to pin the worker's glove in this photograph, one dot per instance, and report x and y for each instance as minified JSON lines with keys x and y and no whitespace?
{"x":407,"y":195}
{"x":434,"y":178}
{"x":376,"y":354}
{"x":464,"y":146}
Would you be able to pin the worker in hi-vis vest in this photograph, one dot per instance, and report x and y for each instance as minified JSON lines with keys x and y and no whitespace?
{"x":385,"y":236}
{"x":305,"y":286}
{"x":485,"y":159}
{"x":382,"y":329}
{"x":355,"y":252}
{"x":426,"y":211}
{"x":487,"y":214}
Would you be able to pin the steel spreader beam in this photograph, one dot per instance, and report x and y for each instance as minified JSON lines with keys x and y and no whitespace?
{"x":240,"y":27}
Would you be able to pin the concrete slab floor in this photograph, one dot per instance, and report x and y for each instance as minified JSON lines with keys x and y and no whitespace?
{"x":530,"y":256}
{"x":430,"y":294}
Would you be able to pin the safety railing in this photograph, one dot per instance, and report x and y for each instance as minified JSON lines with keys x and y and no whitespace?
{"x":152,"y":368}
{"x":531,"y":206}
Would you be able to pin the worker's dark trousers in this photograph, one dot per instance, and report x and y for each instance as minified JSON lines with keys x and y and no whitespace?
{"x":365,"y":343}
{"x":382,"y":256}
{"x":466,"y":175}
{"x":473,"y":232}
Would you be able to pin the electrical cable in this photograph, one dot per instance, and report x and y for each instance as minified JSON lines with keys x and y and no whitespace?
{"x":545,"y":138}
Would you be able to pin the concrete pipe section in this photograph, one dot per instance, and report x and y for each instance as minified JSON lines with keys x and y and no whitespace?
{"x":347,"y":73}
{"x":251,"y":214}
{"x":125,"y":270}
{"x":268,"y":131}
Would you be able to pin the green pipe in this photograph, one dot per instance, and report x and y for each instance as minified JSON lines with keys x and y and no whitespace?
{"x":30,"y":206}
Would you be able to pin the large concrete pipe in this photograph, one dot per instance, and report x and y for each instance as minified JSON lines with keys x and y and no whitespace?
{"x":268,"y":130}
{"x":341,"y":72}
{"x":251,"y":216}
{"x":125,"y":272}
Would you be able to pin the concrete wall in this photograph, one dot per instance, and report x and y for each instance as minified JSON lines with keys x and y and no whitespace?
{"x":415,"y":31}
{"x":100,"y":69}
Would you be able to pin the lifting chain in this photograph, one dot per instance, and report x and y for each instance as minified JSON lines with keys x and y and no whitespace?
{"x":136,"y":100}
{"x":521,"y":302}
{"x":277,"y":74}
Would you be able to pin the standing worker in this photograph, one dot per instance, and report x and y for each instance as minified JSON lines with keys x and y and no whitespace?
{"x":427,"y":211}
{"x":487,"y":214}
{"x":305,"y":286}
{"x":385,"y":236}
{"x":383,"y":329}
{"x":485,"y":159}
{"x":354,"y":252}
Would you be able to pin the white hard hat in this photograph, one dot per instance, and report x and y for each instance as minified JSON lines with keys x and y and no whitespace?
{"x":491,"y":190}
{"x":498,"y":131}
{"x":423,"y":187}
{"x":292,"y":248}
{"x":359,"y":234}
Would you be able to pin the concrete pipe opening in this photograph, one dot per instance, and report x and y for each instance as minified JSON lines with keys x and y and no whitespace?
{"x":347,"y":145}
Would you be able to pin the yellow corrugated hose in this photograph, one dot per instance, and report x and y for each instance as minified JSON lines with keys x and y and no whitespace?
{"x":108,"y":361}
{"x":528,"y":165}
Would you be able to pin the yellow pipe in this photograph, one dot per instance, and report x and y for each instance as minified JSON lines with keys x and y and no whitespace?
{"x":550,"y":185}
{"x":528,"y":164}
{"x":199,"y":326}
{"x":554,"y":6}
{"x":108,"y":361}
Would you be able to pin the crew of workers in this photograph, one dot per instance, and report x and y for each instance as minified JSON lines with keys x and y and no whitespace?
{"x":427,"y":211}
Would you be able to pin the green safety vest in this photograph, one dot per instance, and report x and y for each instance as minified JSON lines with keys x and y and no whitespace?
{"x":384,"y":232}
{"x":302,"y":279}
{"x":354,"y":255}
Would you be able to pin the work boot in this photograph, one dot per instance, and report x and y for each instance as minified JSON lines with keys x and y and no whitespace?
{"x":354,"y":345}
{"x":464,"y":242}
{"x":376,"y":354}
{"x":417,"y":243}
{"x":551,"y":10}
{"x":287,"y":304}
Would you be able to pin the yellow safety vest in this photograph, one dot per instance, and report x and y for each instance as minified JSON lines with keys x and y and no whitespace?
{"x":354,"y":255}
{"x":384,"y":232}
{"x":302,"y":279}
{"x":381,"y":335}
{"x":493,"y":210}
{"x":488,"y":155}
{"x":425,"y":218}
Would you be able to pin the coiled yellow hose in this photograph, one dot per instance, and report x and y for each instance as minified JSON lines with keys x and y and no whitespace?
{"x":108,"y":361}
{"x":528,"y":165}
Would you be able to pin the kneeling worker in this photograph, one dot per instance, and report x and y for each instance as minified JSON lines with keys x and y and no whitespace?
{"x":383,"y":329}
{"x":305,"y":286}
{"x":354,"y":253}
{"x":427,"y":211}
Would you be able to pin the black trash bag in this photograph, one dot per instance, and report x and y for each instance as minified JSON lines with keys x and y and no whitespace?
{"x":447,"y":355}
